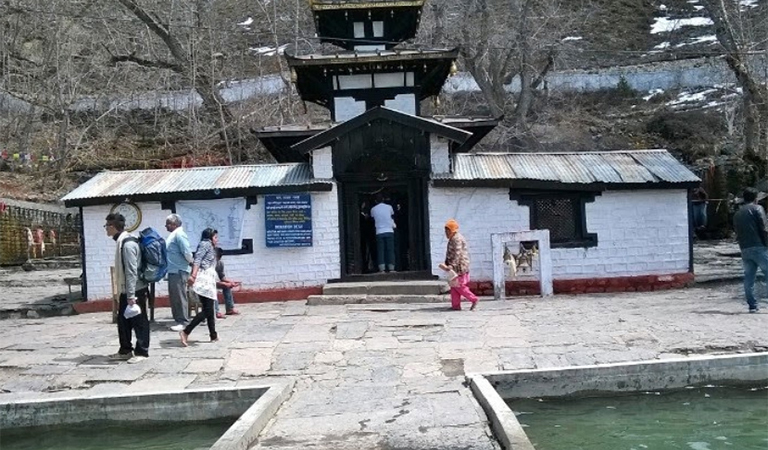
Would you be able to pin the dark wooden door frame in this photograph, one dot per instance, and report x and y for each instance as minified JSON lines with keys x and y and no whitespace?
{"x":418,"y":220}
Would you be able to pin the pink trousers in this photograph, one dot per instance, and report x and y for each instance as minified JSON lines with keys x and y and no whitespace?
{"x":462,"y":290}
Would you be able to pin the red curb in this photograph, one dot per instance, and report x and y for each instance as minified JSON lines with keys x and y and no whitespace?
{"x":636,"y":283}
{"x":272,"y":295}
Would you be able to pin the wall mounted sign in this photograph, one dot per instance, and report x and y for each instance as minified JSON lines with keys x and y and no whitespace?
{"x":225,"y":215}
{"x":288,"y":220}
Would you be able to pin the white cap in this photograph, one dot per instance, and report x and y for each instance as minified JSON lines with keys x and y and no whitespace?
{"x":132,"y":311}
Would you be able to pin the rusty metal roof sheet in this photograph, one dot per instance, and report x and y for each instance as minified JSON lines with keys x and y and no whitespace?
{"x":163,"y":181}
{"x":616,"y":167}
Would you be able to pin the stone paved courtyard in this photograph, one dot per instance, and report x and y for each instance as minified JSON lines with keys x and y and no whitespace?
{"x":379,"y":377}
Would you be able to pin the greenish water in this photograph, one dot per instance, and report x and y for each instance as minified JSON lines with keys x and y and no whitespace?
{"x":117,"y":436}
{"x":708,"y":418}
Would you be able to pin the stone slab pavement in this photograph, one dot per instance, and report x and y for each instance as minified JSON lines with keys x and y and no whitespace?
{"x":378,"y":376}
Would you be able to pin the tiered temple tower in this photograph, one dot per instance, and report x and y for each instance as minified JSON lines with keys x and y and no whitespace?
{"x":378,"y":141}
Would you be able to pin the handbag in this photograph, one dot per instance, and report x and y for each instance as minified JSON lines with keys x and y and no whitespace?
{"x":205,"y":283}
{"x":452,"y":277}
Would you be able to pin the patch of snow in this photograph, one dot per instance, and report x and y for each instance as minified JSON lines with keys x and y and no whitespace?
{"x":247,"y":22}
{"x":665,"y":24}
{"x":749,"y":3}
{"x":572,"y":38}
{"x":687,"y":97}
{"x":662,"y":46}
{"x":662,"y":7}
{"x":653,"y":93}
{"x":699,"y":40}
{"x":698,"y":7}
{"x":268,"y":51}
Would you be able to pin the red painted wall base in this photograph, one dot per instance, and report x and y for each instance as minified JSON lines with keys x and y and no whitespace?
{"x":591,"y":285}
{"x":274,"y":295}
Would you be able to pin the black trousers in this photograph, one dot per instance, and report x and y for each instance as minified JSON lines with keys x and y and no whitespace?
{"x":138,"y":324}
{"x":207,"y":314}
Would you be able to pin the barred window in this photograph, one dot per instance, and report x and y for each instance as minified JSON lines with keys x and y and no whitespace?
{"x":563,"y":214}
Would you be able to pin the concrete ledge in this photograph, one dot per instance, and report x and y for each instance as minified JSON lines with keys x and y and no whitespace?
{"x":491,"y":389}
{"x":244,"y":432}
{"x":255,"y":406}
{"x":631,"y":376}
{"x":503,"y":421}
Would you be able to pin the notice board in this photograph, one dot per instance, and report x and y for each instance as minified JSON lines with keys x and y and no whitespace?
{"x":288,"y":220}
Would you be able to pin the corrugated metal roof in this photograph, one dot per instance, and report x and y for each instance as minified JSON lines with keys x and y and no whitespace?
{"x":626,"y":167}
{"x":143,"y":182}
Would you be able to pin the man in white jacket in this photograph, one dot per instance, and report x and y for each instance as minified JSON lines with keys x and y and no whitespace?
{"x":132,"y":289}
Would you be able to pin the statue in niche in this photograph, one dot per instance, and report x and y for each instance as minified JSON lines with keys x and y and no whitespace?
{"x":523,"y":259}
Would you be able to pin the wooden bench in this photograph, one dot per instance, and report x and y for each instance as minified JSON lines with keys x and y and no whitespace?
{"x":73,"y":281}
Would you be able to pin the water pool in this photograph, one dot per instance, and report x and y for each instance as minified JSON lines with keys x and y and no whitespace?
{"x":704,"y":418}
{"x":115,"y":435}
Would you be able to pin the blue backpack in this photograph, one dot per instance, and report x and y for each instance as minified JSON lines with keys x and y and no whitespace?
{"x":154,"y":261}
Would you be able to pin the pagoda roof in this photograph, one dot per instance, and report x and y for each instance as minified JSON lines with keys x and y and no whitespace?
{"x":326,"y":5}
{"x":314,"y":73}
{"x":279,"y":139}
{"x":384,"y":56}
{"x":381,"y":113}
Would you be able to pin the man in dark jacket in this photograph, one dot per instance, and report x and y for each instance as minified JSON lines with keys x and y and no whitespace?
{"x":750,"y":223}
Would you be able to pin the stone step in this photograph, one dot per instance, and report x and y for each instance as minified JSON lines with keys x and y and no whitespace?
{"x":375,"y":299}
{"x":415,"y":288}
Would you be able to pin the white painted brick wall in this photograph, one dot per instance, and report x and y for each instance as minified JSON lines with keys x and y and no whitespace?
{"x":440,"y":157}
{"x":639,"y":232}
{"x":322,"y":163}
{"x":266,"y":268}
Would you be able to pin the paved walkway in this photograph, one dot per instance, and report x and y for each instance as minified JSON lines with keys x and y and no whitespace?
{"x":379,"y":377}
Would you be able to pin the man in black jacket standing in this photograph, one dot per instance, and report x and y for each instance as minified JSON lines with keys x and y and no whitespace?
{"x":750,"y":223}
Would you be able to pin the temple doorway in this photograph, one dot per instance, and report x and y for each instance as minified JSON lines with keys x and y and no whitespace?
{"x":407,"y":198}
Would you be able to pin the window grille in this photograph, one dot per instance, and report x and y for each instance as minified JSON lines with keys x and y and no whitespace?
{"x":562,"y":213}
{"x":559,"y":216}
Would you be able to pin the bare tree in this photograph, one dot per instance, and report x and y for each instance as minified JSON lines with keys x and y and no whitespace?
{"x":502,"y":40}
{"x":740,"y":38}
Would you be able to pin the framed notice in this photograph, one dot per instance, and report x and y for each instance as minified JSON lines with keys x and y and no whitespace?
{"x":288,"y":220}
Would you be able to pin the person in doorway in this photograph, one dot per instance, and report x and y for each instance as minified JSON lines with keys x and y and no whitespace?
{"x":457,"y":259}
{"x":179,"y":256}
{"x":203,"y":282}
{"x":226,"y":287}
{"x":367,"y":238}
{"x":132,"y":290}
{"x":383,"y":218}
{"x":749,"y":222}
{"x":699,"y":203}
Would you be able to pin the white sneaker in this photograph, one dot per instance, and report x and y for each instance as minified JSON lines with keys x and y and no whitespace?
{"x":136,"y":359}
{"x":177,"y":327}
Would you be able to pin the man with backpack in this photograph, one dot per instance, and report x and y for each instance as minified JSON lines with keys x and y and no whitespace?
{"x":133,"y":291}
{"x":179,"y":259}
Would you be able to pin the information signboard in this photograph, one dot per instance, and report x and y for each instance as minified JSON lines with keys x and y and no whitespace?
{"x":288,"y":220}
